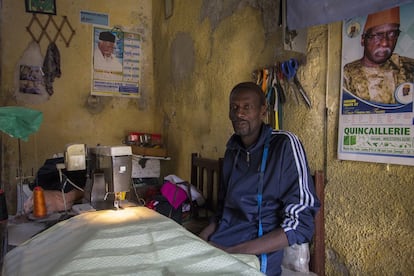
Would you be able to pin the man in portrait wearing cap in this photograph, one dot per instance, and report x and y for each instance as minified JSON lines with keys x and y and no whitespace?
{"x":378,"y":73}
{"x":104,"y":58}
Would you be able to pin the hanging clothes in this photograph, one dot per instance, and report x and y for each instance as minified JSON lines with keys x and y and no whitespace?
{"x":51,"y":67}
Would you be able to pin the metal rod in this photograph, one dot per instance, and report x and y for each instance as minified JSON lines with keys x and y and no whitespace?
{"x":20,"y":176}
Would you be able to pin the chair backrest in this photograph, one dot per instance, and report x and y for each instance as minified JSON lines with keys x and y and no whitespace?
{"x":317,"y":254}
{"x":206,"y":175}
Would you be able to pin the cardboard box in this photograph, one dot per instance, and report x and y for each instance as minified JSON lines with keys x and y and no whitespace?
{"x":145,"y":168}
{"x":144,"y":151}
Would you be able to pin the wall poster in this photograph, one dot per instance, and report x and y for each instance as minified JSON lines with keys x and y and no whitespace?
{"x":116,"y":66}
{"x":376,"y":120}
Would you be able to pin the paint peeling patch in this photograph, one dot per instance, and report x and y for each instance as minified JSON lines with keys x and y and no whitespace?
{"x":218,"y":10}
{"x":182,"y":55}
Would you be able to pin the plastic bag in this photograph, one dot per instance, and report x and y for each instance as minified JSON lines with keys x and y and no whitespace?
{"x":19,"y":122}
{"x":296,"y":257}
{"x":29,"y":85}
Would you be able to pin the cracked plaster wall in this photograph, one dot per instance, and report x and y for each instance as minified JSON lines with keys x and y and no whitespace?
{"x":368,"y":207}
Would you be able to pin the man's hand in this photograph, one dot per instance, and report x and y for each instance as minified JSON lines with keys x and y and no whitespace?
{"x":206,"y":232}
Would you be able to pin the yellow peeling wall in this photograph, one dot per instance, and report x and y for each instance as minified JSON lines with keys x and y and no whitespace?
{"x":200,"y":53}
{"x":67,"y":116}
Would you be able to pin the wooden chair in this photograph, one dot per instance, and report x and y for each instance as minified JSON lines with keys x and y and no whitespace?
{"x":317,"y":250}
{"x":206,"y":175}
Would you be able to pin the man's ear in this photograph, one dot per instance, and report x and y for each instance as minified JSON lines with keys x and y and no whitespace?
{"x":264,"y":110}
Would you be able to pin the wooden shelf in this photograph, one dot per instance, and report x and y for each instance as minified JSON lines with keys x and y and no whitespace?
{"x":144,"y":151}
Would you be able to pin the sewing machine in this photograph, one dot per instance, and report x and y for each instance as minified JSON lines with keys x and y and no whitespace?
{"x":110,"y":170}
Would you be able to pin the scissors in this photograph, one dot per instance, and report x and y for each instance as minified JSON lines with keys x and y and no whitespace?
{"x":289,"y":69}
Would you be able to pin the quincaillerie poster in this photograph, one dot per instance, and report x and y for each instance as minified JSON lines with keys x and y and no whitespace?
{"x":376,"y":120}
{"x":116,"y":66}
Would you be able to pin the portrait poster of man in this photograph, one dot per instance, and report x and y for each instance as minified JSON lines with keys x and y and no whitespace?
{"x":376,"y":115}
{"x":116,"y":55}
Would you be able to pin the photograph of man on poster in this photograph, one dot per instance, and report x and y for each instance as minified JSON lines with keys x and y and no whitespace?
{"x":104,"y":58}
{"x":31,"y":79}
{"x":380,"y":72}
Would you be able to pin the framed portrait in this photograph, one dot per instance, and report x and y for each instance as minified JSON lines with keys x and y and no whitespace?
{"x":41,"y":6}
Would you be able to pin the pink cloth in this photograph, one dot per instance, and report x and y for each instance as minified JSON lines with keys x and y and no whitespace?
{"x":174,"y":194}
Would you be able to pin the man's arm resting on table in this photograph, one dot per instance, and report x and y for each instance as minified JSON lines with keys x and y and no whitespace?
{"x":270,"y":242}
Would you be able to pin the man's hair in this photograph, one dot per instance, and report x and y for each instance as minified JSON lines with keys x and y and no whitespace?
{"x":250,"y":86}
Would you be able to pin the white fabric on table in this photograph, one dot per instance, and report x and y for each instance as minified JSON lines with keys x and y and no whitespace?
{"x":133,"y":241}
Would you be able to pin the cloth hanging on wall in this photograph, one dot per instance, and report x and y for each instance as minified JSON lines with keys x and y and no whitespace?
{"x":51,"y":67}
{"x":305,"y":13}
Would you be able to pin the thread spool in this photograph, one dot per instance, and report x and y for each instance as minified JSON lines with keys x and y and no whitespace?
{"x":3,"y":206}
{"x":39,"y":203}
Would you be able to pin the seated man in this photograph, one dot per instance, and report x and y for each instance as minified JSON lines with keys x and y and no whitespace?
{"x":269,"y":196}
